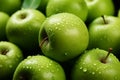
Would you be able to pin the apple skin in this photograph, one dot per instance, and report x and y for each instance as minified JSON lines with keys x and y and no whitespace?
{"x":23,"y":28}
{"x":119,"y":13}
{"x":10,"y":57}
{"x":67,"y":36}
{"x":96,"y":8}
{"x":39,"y":68}
{"x":10,"y":6}
{"x":103,"y":35}
{"x":89,"y":66}
{"x":77,"y":7}
{"x":3,"y":21}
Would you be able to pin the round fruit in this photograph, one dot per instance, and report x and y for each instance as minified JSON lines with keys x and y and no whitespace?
{"x":63,"y":36}
{"x":39,"y":68}
{"x":23,"y":28}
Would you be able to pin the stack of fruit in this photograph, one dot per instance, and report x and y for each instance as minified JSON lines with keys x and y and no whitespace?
{"x":59,"y":40}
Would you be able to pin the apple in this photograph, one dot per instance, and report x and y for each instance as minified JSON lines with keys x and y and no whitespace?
{"x":77,"y":7}
{"x":63,"y":36}
{"x":3,"y":21}
{"x":10,"y":6}
{"x":10,"y":57}
{"x":96,"y":64}
{"x":39,"y":67}
{"x":96,"y":8}
{"x":23,"y":28}
{"x":104,"y":32}
{"x":119,"y":13}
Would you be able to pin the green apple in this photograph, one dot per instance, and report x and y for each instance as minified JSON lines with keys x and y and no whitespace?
{"x":23,"y":28}
{"x":90,"y":66}
{"x":77,"y":7}
{"x":3,"y":21}
{"x":10,"y":57}
{"x":104,"y":32}
{"x":10,"y":6}
{"x":96,"y":8}
{"x":63,"y":36}
{"x":39,"y":68}
{"x":119,"y":13}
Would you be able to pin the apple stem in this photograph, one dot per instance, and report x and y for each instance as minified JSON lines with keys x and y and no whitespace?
{"x":41,"y":43}
{"x":104,"y":59}
{"x":104,"y":19}
{"x":4,"y":52}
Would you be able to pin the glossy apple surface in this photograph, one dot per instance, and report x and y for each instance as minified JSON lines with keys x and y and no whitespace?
{"x":23,"y":28}
{"x":39,"y":68}
{"x":10,"y":6}
{"x":63,"y":36}
{"x":77,"y":7}
{"x":97,"y":8}
{"x":3,"y":21}
{"x":89,"y":66}
{"x":10,"y":57}
{"x":106,"y":34}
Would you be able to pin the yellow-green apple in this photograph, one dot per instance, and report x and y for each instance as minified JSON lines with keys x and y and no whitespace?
{"x":39,"y":68}
{"x":104,"y":32}
{"x":10,"y":6}
{"x":96,"y":64}
{"x":96,"y":8}
{"x":10,"y":57}
{"x":77,"y":7}
{"x":23,"y":28}
{"x":63,"y":36}
{"x":119,"y":13}
{"x":3,"y":21}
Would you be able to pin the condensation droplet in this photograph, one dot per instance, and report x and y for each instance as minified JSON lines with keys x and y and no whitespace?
{"x":80,"y":67}
{"x":84,"y":70}
{"x":94,"y":64}
{"x":93,"y":73}
{"x":10,"y":66}
{"x":66,"y":54}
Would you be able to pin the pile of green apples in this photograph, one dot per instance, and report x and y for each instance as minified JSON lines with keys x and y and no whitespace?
{"x":59,"y":40}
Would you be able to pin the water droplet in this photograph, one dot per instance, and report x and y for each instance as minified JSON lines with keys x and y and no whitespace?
{"x":10,"y":66}
{"x":84,"y":70}
{"x":39,"y":69}
{"x":94,"y":64}
{"x":27,"y":67}
{"x":80,"y":67}
{"x":93,"y":73}
{"x":99,"y":72}
{"x":66,"y":54}
{"x":56,"y":28}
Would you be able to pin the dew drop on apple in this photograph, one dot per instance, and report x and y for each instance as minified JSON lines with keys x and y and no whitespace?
{"x":99,"y":72}
{"x":84,"y":70}
{"x":94,"y":64}
{"x":80,"y":67}
{"x":66,"y":54}
{"x":10,"y":66}
{"x":93,"y":73}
